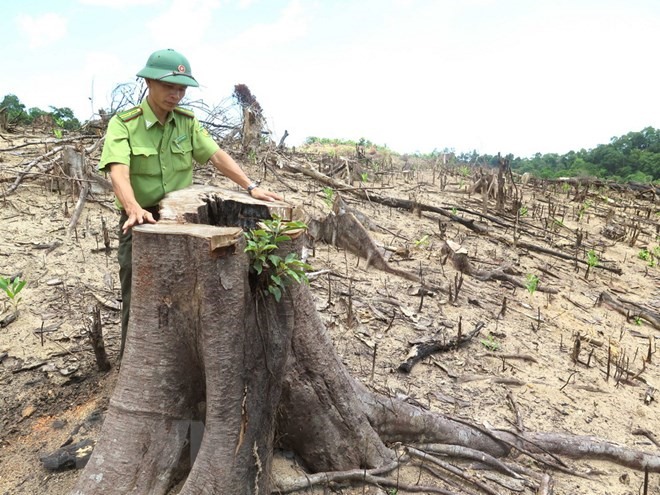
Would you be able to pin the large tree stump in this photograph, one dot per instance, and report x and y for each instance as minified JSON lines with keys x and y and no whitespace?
{"x":205,"y":344}
{"x":198,"y":334}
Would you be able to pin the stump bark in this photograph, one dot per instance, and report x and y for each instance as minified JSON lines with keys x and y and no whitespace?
{"x":199,"y":339}
{"x":205,"y":345}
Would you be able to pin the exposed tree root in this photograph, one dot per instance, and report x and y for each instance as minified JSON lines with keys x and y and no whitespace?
{"x":398,"y":421}
{"x":355,"y":477}
{"x":468,"y":453}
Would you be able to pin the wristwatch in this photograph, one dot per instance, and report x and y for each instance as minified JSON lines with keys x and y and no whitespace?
{"x":252,"y":186}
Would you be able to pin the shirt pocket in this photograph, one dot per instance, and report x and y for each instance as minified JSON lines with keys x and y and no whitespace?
{"x":181,"y":155}
{"x":144,"y":161}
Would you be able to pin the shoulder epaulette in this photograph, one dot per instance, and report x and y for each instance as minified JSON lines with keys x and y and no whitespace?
{"x":185,"y":111}
{"x":130,"y":114}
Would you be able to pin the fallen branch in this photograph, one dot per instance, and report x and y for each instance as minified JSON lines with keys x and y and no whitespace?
{"x":387,"y":201}
{"x":522,"y":357}
{"x":425,"y":349}
{"x":29,"y":166}
{"x":47,"y":141}
{"x":647,"y":434}
{"x":10,"y":318}
{"x":629,"y":309}
{"x":559,"y":254}
{"x":500,"y":275}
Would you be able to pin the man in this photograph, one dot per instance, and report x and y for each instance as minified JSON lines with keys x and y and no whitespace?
{"x":149,"y":151}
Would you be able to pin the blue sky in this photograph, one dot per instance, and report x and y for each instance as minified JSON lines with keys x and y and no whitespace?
{"x":509,"y":76}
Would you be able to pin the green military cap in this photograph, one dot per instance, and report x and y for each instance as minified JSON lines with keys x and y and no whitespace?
{"x":168,"y":66}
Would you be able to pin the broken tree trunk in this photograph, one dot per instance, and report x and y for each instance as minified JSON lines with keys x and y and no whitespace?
{"x":204,"y":344}
{"x":343,"y":229}
{"x":503,"y":164}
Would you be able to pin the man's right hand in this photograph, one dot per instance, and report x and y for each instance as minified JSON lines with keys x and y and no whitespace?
{"x":121,"y":184}
{"x":137,"y":216}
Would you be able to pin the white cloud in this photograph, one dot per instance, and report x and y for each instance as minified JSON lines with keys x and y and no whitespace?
{"x":98,"y":75}
{"x":192,"y":17}
{"x":291,"y":25}
{"x":118,"y":4}
{"x":42,"y":30}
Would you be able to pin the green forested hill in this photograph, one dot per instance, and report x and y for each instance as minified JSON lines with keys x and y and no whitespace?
{"x":634,"y":157}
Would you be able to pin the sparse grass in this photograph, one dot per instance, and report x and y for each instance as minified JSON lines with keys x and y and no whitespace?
{"x":490,"y":343}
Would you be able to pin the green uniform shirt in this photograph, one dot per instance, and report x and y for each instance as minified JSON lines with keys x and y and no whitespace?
{"x":160,"y":157}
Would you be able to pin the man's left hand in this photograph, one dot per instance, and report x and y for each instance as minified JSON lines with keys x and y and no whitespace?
{"x":264,"y":194}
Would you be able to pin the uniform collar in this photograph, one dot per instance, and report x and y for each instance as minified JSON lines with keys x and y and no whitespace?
{"x":150,"y":118}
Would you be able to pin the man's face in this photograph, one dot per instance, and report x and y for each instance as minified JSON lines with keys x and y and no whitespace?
{"x":165,"y":95}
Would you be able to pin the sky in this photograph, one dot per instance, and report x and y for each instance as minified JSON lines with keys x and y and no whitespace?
{"x":494,"y":76}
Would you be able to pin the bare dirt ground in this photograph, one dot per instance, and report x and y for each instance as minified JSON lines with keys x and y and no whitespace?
{"x":51,"y":392}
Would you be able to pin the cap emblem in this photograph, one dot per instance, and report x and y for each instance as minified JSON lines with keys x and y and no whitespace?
{"x":181,"y":68}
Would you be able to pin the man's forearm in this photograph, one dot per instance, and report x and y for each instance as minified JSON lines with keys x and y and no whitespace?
{"x":228,"y":167}
{"x":121,"y":184}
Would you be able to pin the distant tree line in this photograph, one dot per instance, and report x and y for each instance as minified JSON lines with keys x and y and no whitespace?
{"x":16,"y":114}
{"x":634,"y":157}
{"x":362,"y":142}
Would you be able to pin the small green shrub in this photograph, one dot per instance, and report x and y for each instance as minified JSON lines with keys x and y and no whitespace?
{"x":531,"y":284}
{"x":12,"y":288}
{"x":651,"y":257}
{"x":329,"y":194}
{"x":423,"y":241}
{"x":277,"y":272}
{"x":583,"y":208}
{"x":592,"y":259}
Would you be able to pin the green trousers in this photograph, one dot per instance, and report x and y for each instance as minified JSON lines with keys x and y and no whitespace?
{"x":125,"y":258}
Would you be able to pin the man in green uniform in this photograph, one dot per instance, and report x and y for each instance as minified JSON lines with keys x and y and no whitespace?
{"x":149,"y":151}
